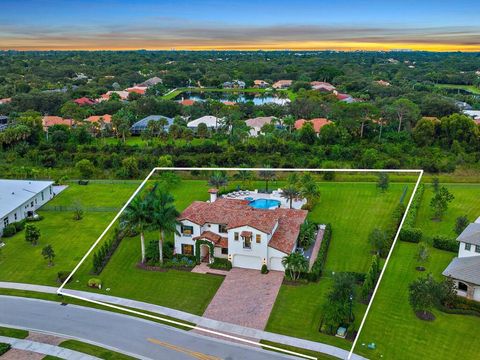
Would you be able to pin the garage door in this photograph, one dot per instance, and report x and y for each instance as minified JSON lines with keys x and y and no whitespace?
{"x":276,"y":264}
{"x":248,"y":262}
{"x":476,"y":294}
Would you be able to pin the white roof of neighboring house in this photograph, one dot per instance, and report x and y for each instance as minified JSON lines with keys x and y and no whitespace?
{"x":210,"y":121}
{"x":258,"y":122}
{"x":14,"y":193}
{"x":475,"y":114}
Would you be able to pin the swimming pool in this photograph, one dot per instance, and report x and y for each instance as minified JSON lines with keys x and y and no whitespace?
{"x":264,"y":203}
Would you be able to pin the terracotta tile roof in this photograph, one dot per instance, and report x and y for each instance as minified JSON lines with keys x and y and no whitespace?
{"x":317,"y":123}
{"x":84,"y":101}
{"x":5,"y":100}
{"x":215,"y":238}
{"x":321,"y":85}
{"x":48,"y":121}
{"x":258,"y":122}
{"x":236,"y":213}
{"x":137,"y":89}
{"x":343,"y":96}
{"x":229,"y":103}
{"x":246,"y":233}
{"x":187,"y":102}
{"x":96,"y":118}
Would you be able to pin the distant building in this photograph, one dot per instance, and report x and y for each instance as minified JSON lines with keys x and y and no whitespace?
{"x":282,"y":84}
{"x":382,"y":83}
{"x":122,"y":93}
{"x":317,"y":123}
{"x":322,"y":86}
{"x":5,"y":101}
{"x":142,"y":124}
{"x":187,"y":102}
{"x":462,"y":105}
{"x":84,"y":101}
{"x":474,"y":114}
{"x":48,"y":121}
{"x":21,"y":198}
{"x":261,"y":84}
{"x":257,"y":123}
{"x":235,"y":84}
{"x":141,"y":90}
{"x":212,"y":122}
{"x":151,"y":82}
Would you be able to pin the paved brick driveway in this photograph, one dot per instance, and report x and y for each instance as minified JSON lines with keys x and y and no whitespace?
{"x":245,"y":298}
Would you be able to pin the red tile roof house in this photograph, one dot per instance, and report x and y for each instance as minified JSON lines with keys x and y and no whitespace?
{"x":322,"y":86}
{"x":94,"y":119}
{"x":317,"y":123}
{"x":247,"y":236}
{"x":187,"y":102}
{"x":282,"y":84}
{"x":84,"y":101}
{"x":48,"y":121}
{"x":137,"y":89}
{"x":260,"y":84}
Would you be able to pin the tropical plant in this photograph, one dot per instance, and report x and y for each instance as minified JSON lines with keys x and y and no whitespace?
{"x":267,"y":175}
{"x":48,"y":254}
{"x":32,"y":234}
{"x":295,"y":263}
{"x":290,"y":192}
{"x":137,"y":218}
{"x":218,"y":179}
{"x":423,"y":295}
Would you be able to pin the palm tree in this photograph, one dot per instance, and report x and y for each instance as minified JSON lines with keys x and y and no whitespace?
{"x":267,"y":175}
{"x":295,"y":264}
{"x":310,"y":191}
{"x":244,"y":176}
{"x":137,"y":218}
{"x":218,"y":178}
{"x":290,"y":192}
{"x":164,"y":215}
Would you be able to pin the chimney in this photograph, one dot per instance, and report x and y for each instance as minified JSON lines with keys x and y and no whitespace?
{"x":213,"y":194}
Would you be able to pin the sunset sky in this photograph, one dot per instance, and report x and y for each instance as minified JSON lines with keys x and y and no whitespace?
{"x":261,"y":24}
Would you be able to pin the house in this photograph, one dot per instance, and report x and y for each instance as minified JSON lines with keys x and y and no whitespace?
{"x":142,"y":124}
{"x":462,"y":105}
{"x":21,"y":198}
{"x":137,"y":89}
{"x":151,"y":82}
{"x":102,"y":120}
{"x":235,"y":84}
{"x":48,"y":121}
{"x":212,"y":122}
{"x":322,"y":86}
{"x":465,"y":269}
{"x":234,"y":230}
{"x":317,"y":123}
{"x":282,"y":84}
{"x":257,"y":123}
{"x":261,"y":84}
{"x":229,"y":103}
{"x":474,"y":114}
{"x":5,"y":101}
{"x":382,"y":83}
{"x":187,"y":102}
{"x":84,"y":101}
{"x":345,"y":97}
{"x":122,"y":93}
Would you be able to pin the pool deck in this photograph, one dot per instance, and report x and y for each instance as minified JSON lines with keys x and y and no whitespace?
{"x":274,"y":195}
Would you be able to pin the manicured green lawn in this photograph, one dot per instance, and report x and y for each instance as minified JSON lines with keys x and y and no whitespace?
{"x":392,"y":325}
{"x":470,"y":88}
{"x":353,"y":209}
{"x":13,"y":333}
{"x":70,"y":239}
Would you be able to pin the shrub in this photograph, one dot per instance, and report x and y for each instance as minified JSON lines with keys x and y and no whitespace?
{"x":264,"y":269}
{"x":105,"y":252}
{"x":445,"y":243}
{"x":317,"y":267}
{"x":19,"y":226}
{"x":4,"y":348}
{"x":36,"y":218}
{"x":220,"y":263}
{"x":95,"y":283}
{"x":412,"y":235}
{"x":63,"y":275}
{"x":9,"y":230}
{"x":412,"y":213}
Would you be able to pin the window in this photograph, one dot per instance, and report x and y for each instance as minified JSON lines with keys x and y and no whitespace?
{"x":258,"y":238}
{"x":31,"y":204}
{"x":235,"y":236}
{"x":50,"y":190}
{"x":15,"y":216}
{"x":187,"y":249}
{"x":5,"y":222}
{"x":462,"y":286}
{"x":187,"y":230}
{"x":477,"y":248}
{"x":467,"y":246}
{"x":225,"y":251}
{"x":43,"y":196}
{"x":35,"y":201}
{"x":222,"y":228}
{"x":247,"y":242}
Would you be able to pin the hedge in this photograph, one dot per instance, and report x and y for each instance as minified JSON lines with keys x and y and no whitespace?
{"x":220,"y":263}
{"x":409,"y":233}
{"x":317,"y":267}
{"x":445,"y":243}
{"x":105,"y":252}
{"x":413,"y":235}
{"x":4,"y":348}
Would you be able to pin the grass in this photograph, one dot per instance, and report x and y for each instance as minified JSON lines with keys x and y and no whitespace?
{"x":70,"y":239}
{"x":473,"y":89}
{"x":392,"y":324}
{"x":319,"y":356}
{"x":353,"y":209}
{"x":13,"y":333}
{"x":94,"y":350}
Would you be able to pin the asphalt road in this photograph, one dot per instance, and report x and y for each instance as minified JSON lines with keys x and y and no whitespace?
{"x":140,"y":338}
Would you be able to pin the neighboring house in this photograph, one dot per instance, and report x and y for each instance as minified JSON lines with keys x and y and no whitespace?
{"x":322,"y":86}
{"x":235,"y":84}
{"x":232,"y":229}
{"x":345,"y":98}
{"x":137,"y":89}
{"x":257,"y":123}
{"x":187,"y":102}
{"x":80,"y":76}
{"x":122,"y":93}
{"x":21,"y":198}
{"x":229,"y":103}
{"x":5,"y":101}
{"x":317,"y":123}
{"x":474,"y":114}
{"x":48,"y":121}
{"x":84,"y":101}
{"x":94,"y":119}
{"x":382,"y":83}
{"x":212,"y":122}
{"x":142,"y":124}
{"x":462,"y":105}
{"x":261,"y":84}
{"x":151,"y":82}
{"x":282,"y":84}
{"x":465,"y":269}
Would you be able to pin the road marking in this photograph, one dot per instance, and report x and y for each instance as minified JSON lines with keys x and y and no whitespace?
{"x":194,"y":354}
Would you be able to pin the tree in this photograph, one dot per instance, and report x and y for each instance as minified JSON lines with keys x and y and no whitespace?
{"x":405,"y":112}
{"x":371,"y":278}
{"x":267,"y":175}
{"x":422,"y":257}
{"x":121,"y":122}
{"x":295,"y":263}
{"x":218,"y":179}
{"x":290,"y":192}
{"x":460,"y":224}
{"x":77,"y":210}
{"x":32,"y":234}
{"x":307,"y":134}
{"x":48,"y":254}
{"x":383,"y":181}
{"x":86,"y":168}
{"x":337,"y":309}
{"x":164,"y":215}
{"x":423,"y":295}
{"x":435,"y":184}
{"x":137,"y":217}
{"x":244,"y":176}
{"x":424,"y":132}
{"x":379,"y":240}
{"x":440,"y":201}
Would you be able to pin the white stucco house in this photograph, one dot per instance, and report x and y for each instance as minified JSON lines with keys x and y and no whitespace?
{"x":249,"y":237}
{"x":465,"y":269}
{"x":256,"y":124}
{"x":21,"y":198}
{"x":212,"y":122}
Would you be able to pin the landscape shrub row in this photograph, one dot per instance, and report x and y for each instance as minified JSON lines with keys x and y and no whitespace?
{"x":462,"y":306}
{"x":445,"y":243}
{"x":179,"y":261}
{"x":13,"y":228}
{"x":319,"y":264}
{"x":409,"y":233}
{"x":105,"y":252}
{"x":222,"y":264}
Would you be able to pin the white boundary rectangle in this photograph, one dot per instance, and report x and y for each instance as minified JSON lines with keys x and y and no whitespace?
{"x":139,"y":188}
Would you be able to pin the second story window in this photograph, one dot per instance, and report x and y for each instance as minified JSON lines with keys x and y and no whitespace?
{"x":247,"y":242}
{"x":477,"y":248}
{"x":187,"y":230}
{"x":258,"y":238}
{"x":222,"y":228}
{"x":467,"y":246}
{"x":235,"y":236}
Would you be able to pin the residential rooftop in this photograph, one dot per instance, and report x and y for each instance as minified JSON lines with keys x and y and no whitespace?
{"x":14,"y":193}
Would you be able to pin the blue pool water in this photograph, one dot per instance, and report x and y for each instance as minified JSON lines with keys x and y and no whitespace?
{"x":249,"y":198}
{"x":264,"y":203}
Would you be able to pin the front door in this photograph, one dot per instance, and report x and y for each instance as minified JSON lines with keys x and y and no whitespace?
{"x":205,"y":253}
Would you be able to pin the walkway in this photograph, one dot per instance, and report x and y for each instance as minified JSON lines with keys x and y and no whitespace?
{"x":203,"y":322}
{"x":42,"y":348}
{"x":316,"y":246}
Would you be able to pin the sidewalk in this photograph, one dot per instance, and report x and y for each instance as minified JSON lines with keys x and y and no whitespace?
{"x":46,"y":349}
{"x":203,"y":322}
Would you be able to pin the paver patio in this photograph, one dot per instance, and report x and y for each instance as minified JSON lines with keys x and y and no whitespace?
{"x":245,"y":298}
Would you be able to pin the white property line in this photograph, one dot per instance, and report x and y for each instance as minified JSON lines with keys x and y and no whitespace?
{"x":60,"y":290}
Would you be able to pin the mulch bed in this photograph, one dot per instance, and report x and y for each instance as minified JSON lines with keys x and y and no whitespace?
{"x":293,"y":283}
{"x":427,"y":316}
